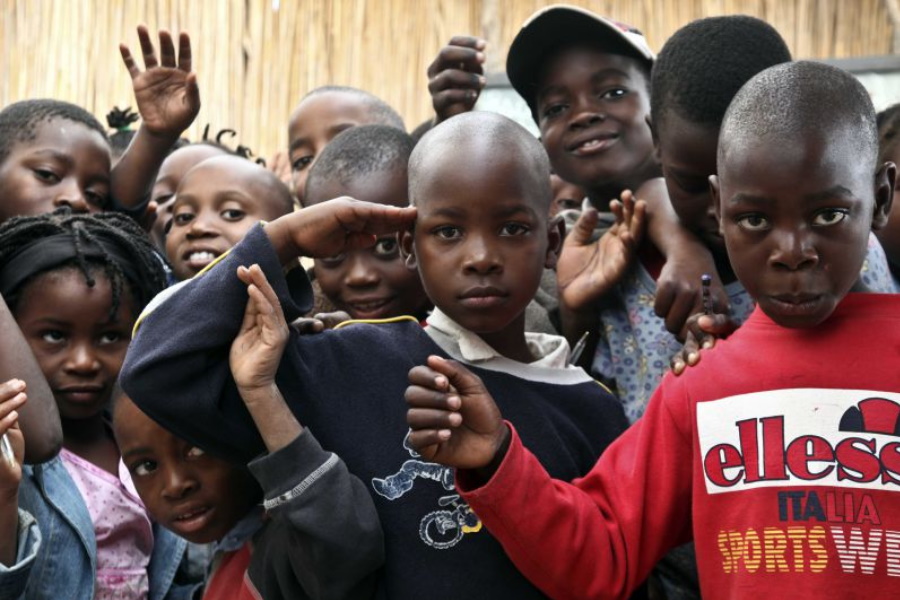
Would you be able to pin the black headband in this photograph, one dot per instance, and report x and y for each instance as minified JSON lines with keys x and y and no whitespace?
{"x":46,"y":253}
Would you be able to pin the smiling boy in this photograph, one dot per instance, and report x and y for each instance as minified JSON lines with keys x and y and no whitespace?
{"x":480,"y":238}
{"x":778,"y":453}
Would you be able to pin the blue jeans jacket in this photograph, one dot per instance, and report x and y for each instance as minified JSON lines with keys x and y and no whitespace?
{"x":57,"y":555}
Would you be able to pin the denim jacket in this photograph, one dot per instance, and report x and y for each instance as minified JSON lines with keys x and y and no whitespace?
{"x":57,"y":555}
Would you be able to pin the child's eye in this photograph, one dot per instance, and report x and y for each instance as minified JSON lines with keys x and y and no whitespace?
{"x":830,"y":216}
{"x":46,"y":175}
{"x":331,"y":262}
{"x":301,"y":163}
{"x":386,"y":247}
{"x":111,"y":337}
{"x":447,"y":232}
{"x":233,"y":214}
{"x":143,"y":468}
{"x":195,"y":452}
{"x":753,"y":222}
{"x":96,"y":199}
{"x":614,"y":93}
{"x":514,"y":229}
{"x":183,"y":218}
{"x":53,"y":336}
{"x":554,"y":110}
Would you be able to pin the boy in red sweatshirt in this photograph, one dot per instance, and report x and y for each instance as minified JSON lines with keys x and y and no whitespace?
{"x":779,"y":454}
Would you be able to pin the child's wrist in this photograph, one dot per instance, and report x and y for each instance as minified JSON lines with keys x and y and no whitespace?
{"x":259,"y":393}
{"x":161,"y":136}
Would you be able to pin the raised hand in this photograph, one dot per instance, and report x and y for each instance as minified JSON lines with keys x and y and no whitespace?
{"x":456,"y":77}
{"x":453,"y":418}
{"x":258,"y":346}
{"x":336,"y":226}
{"x":12,"y":398}
{"x":587,"y":270}
{"x":166,"y":92}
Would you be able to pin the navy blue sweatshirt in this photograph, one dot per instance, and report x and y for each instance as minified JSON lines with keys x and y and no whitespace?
{"x":347,"y":386}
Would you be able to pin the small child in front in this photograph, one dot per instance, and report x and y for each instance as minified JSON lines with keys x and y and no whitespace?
{"x":368,"y":163}
{"x":480,"y":239}
{"x":778,"y":454}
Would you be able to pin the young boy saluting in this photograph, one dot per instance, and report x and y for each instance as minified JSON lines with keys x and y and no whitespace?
{"x":481,"y":240}
{"x":779,"y":453}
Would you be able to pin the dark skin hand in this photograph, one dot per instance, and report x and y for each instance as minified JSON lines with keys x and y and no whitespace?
{"x":588,"y":270}
{"x":453,"y":419}
{"x":12,"y":398}
{"x":456,"y":77}
{"x":168,"y":100}
{"x":678,"y":289}
{"x":320,"y":322}
{"x":702,"y":332}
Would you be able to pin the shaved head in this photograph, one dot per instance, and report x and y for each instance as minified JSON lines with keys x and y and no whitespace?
{"x":264,"y":184}
{"x":482,"y":139}
{"x":803,"y":99}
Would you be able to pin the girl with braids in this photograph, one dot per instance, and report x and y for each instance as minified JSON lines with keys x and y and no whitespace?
{"x":75,"y":284}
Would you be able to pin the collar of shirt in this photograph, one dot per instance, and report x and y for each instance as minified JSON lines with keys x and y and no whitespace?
{"x":549,"y":350}
{"x":242,"y":531}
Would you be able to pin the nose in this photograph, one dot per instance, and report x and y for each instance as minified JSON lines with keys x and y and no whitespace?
{"x":793,"y":251}
{"x":82,"y":359}
{"x":179,"y":483}
{"x":70,"y":194}
{"x":587,"y":112}
{"x":359,"y":272}
{"x":480,"y":257}
{"x":202,"y":225}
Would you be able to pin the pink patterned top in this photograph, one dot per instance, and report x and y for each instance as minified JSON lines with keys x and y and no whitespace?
{"x":122,"y":528}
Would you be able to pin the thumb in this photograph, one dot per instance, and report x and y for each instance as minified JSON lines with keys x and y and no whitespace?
{"x":584,"y":227}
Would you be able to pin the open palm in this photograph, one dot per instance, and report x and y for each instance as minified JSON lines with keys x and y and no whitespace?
{"x":587,"y":270}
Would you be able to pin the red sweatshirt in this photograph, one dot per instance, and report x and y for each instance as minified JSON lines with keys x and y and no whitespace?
{"x":779,"y":455}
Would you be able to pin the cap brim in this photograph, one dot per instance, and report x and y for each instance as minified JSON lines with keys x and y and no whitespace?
{"x":557,"y":26}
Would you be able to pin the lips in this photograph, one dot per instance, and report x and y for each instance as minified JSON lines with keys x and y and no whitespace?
{"x":368,"y":308}
{"x":191,"y":519}
{"x":483,"y":297}
{"x":792,"y":306}
{"x":592,"y":143}
{"x":81,"y":394}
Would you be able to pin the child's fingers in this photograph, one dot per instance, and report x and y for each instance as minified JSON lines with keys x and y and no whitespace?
{"x":262,"y":282}
{"x":427,"y":441}
{"x":460,"y":378}
{"x":584,"y":227}
{"x":9,"y":389}
{"x":428,"y":378}
{"x":147,"y":47}
{"x":468,"y":41}
{"x":430,"y":418}
{"x":424,"y":397}
{"x":128,"y":59}
{"x":185,"y":60}
{"x":457,"y":57}
{"x":9,"y":411}
{"x":166,"y":49}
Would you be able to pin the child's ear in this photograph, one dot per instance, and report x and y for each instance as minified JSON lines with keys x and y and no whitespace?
{"x":656,"y":151}
{"x":408,"y":249}
{"x":885,"y":179}
{"x":714,"y":192}
{"x":556,"y":232}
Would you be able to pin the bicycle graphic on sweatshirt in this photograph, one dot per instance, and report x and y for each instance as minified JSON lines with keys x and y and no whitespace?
{"x":440,"y":529}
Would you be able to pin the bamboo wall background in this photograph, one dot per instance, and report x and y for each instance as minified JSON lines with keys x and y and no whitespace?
{"x":255,"y":59}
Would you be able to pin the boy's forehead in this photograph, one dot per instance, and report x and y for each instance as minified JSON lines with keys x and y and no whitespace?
{"x":329,"y":106}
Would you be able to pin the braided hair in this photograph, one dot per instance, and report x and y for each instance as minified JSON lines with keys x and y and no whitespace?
{"x":120,"y":121}
{"x":116,"y":242}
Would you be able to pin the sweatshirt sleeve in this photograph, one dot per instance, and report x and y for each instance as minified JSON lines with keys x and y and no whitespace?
{"x":324,"y":523}
{"x":598,"y":536}
{"x":176,"y":369}
{"x":14,"y":578}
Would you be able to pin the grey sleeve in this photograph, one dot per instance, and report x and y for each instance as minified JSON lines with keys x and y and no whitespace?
{"x":323,"y":523}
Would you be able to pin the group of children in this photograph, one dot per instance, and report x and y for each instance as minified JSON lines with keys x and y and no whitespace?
{"x":188,"y":412}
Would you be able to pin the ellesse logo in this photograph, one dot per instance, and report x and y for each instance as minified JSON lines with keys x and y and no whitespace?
{"x":808,"y":437}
